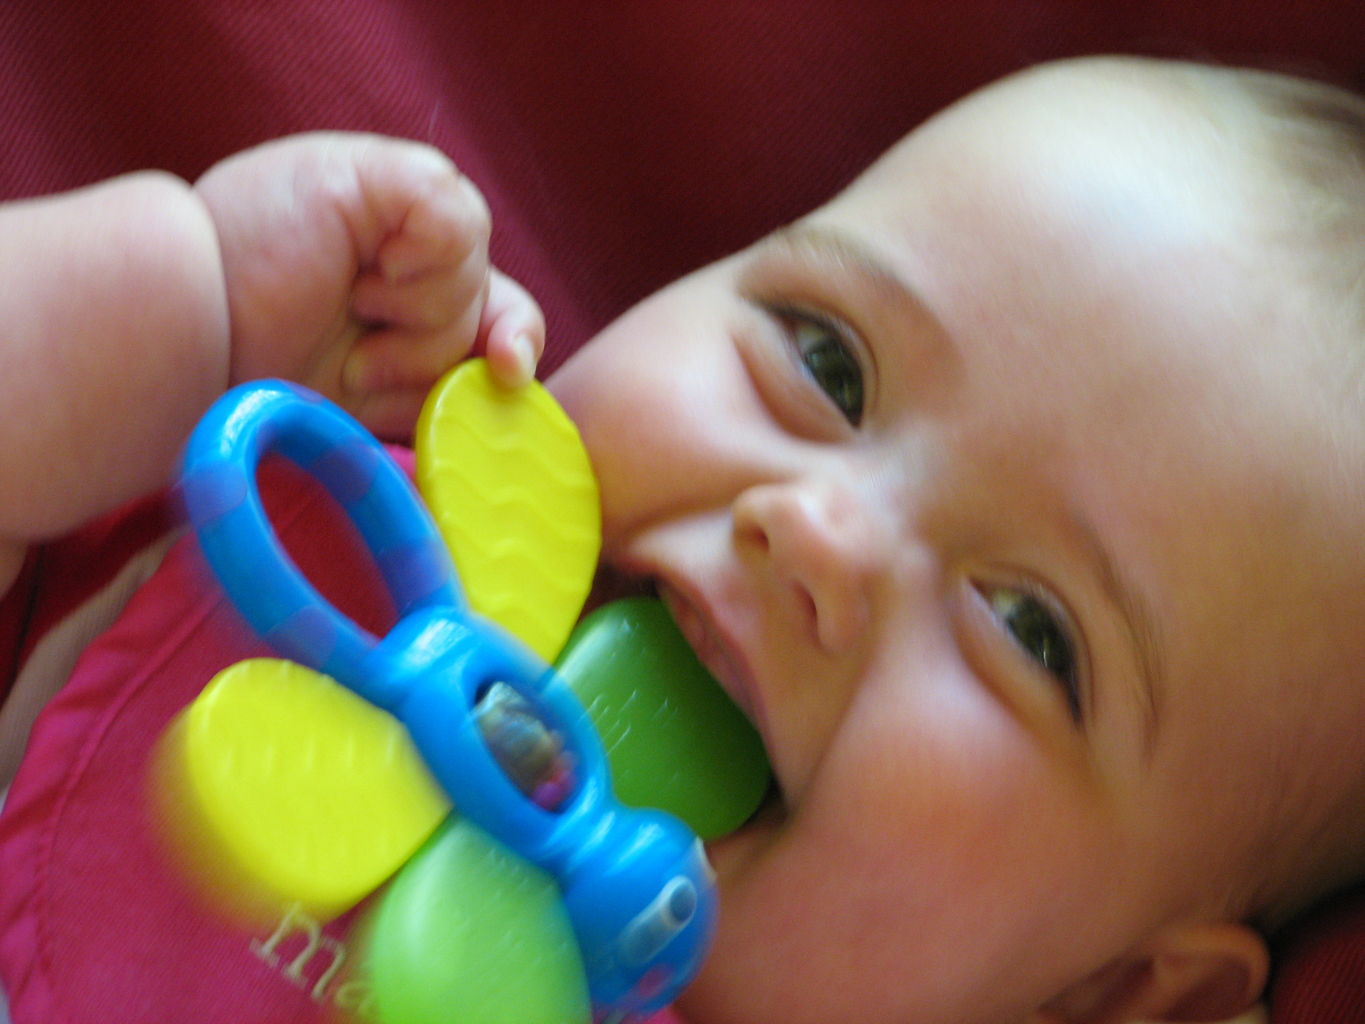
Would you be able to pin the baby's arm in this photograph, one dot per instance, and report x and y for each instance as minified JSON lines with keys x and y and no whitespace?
{"x":354,"y":264}
{"x":115,"y":338}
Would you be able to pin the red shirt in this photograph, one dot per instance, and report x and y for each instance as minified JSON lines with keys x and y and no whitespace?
{"x":95,"y":925}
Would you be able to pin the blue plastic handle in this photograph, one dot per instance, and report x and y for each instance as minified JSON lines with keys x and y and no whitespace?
{"x":636,"y":884}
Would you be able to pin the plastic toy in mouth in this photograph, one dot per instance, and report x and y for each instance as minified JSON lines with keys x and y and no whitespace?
{"x":569,"y":880}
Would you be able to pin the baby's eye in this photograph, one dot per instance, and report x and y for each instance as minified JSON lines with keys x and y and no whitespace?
{"x":829,"y":360}
{"x":1041,"y":633}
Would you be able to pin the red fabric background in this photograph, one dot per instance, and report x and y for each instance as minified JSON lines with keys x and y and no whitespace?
{"x":619,"y":144}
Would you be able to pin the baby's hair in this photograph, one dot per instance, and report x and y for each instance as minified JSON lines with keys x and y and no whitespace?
{"x":1320,"y":141}
{"x":1324,"y":124}
{"x":1313,"y":135}
{"x":1310,"y":136}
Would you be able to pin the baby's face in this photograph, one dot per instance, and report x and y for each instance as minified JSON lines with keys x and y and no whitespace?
{"x":981,"y":490}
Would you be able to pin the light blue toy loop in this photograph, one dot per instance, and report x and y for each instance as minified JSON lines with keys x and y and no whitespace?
{"x":636,"y":885}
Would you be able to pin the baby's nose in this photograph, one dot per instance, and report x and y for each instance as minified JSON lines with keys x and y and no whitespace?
{"x":817,"y":538}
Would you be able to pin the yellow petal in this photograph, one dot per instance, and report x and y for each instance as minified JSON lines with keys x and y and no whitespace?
{"x":281,"y":786}
{"x":511,"y":488}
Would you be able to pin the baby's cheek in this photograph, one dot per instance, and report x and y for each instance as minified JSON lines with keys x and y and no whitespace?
{"x":621,"y":428}
{"x":935,"y":778}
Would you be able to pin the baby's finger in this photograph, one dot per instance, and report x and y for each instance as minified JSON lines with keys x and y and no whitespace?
{"x":421,"y":326}
{"x":440,"y":232}
{"x":427,"y":214}
{"x":428,"y":302}
{"x":511,"y":331}
{"x":390,"y":414}
{"x":396,"y":358}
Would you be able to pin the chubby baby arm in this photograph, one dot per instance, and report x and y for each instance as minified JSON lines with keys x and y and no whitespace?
{"x":115,"y":340}
{"x":358,"y":265}
{"x":355,"y":264}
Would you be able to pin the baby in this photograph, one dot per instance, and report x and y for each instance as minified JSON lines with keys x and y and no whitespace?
{"x":1015,"y":494}
{"x":1018,"y":495}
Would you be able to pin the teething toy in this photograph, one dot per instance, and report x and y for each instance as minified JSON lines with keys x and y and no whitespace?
{"x":445,"y":708}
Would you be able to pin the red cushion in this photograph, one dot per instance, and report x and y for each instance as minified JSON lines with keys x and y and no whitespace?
{"x":1320,"y":966}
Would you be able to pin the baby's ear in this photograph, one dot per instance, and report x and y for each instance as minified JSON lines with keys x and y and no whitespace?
{"x":1186,"y":973}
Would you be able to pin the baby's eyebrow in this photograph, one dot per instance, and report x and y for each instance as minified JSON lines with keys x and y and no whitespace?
{"x":843,"y":248}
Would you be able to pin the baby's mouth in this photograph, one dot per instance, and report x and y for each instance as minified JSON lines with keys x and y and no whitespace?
{"x":609,"y":584}
{"x":712,"y":652}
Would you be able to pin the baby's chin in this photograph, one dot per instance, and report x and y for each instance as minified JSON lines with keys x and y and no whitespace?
{"x":732,"y":855}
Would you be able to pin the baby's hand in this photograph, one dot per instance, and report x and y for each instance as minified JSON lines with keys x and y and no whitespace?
{"x":358,"y":265}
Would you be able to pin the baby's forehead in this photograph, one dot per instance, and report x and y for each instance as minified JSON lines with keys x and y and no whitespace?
{"x":1103,"y":162}
{"x":1097,"y":91}
{"x":1146,"y":112}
